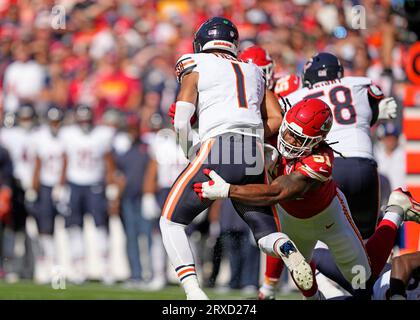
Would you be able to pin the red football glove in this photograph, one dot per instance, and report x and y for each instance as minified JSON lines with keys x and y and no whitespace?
{"x":171,"y":114}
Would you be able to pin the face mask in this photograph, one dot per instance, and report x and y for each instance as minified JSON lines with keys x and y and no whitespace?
{"x":26,"y":124}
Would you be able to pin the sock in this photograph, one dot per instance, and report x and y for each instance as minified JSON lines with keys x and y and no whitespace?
{"x":102,"y":241}
{"x":273,"y":269}
{"x":179,"y":252}
{"x":77,"y":253}
{"x":379,"y":246}
{"x":48,"y":247}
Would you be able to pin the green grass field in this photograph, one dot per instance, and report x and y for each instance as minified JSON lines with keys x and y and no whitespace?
{"x":26,"y":290}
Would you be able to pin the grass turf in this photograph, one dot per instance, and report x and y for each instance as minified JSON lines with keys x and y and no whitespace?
{"x":26,"y":290}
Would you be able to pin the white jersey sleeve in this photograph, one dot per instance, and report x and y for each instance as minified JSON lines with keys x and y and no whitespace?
{"x":185,"y":65}
{"x":230,"y":93}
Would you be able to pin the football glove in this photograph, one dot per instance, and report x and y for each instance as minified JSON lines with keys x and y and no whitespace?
{"x":149,"y":207}
{"x":387,"y":109}
{"x":271,"y":156}
{"x":216,"y":188}
{"x":171,"y":114}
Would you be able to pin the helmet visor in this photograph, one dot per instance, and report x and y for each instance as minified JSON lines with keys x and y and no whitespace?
{"x":293,"y":144}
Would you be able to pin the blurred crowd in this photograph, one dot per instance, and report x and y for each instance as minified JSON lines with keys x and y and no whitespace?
{"x":117,"y":59}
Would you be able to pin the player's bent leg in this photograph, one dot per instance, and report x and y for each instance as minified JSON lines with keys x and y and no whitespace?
{"x":181,"y":207}
{"x":346,"y":244}
{"x":401,"y":207}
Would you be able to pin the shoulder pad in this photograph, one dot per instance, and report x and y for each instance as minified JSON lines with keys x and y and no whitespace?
{"x":356,"y":81}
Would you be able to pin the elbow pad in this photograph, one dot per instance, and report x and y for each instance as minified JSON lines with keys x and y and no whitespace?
{"x":183,"y":114}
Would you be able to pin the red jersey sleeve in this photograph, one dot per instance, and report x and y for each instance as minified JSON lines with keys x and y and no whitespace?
{"x":317,"y":165}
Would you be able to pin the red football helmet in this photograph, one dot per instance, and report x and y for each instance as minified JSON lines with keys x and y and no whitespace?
{"x":304,"y":126}
{"x":261,"y":58}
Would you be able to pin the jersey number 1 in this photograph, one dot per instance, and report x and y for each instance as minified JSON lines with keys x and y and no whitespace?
{"x":240,"y":85}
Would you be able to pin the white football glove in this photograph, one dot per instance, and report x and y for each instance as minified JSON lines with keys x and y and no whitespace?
{"x":149,"y":207}
{"x":387,"y":109}
{"x":216,"y":188}
{"x":31,"y":195}
{"x":60,"y":194}
{"x":271,"y":156}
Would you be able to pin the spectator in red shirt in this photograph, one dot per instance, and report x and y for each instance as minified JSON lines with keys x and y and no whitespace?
{"x":114,"y":88}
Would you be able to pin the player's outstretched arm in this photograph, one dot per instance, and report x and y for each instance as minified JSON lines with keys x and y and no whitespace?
{"x":271,"y":114}
{"x":283,"y":188}
{"x":286,"y":187}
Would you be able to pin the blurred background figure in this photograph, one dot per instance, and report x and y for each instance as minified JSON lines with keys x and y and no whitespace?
{"x":89,"y":170}
{"x":167,"y":160}
{"x":18,"y":141}
{"x":6,"y":179}
{"x":48,"y":188}
{"x":20,"y":89}
{"x":131,"y":157}
{"x":390,"y":155}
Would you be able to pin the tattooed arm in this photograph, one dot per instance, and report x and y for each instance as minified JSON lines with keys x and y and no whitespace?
{"x":286,"y":187}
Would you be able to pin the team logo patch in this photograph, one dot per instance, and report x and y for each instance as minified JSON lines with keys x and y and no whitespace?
{"x":322,"y":73}
{"x":179,"y":68}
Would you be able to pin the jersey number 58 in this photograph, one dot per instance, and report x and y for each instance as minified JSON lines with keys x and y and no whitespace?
{"x":341,"y":99}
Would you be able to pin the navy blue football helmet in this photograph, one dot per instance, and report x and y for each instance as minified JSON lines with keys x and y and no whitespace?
{"x":321,"y":67}
{"x":217,"y":33}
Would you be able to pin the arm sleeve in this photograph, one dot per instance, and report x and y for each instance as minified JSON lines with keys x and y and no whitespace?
{"x":317,"y":166}
{"x":375,"y":95}
{"x":182,"y":125}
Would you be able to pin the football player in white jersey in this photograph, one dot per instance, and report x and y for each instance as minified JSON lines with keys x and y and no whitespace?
{"x":89,"y":168}
{"x":235,"y":112}
{"x":18,"y":142}
{"x":47,"y":182}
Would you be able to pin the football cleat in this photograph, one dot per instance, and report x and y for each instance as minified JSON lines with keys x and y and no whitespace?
{"x":265,"y":293}
{"x":405,"y":200}
{"x":197,"y":294}
{"x":301,"y":270}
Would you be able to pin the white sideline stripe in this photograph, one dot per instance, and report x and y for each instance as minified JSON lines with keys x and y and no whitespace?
{"x":413,"y":179}
{"x":197,"y":161}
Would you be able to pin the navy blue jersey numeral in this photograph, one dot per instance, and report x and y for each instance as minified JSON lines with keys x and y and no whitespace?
{"x":240,"y":86}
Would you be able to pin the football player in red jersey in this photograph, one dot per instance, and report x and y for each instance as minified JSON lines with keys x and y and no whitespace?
{"x":262,"y":59}
{"x":286,"y":85}
{"x":310,"y":206}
